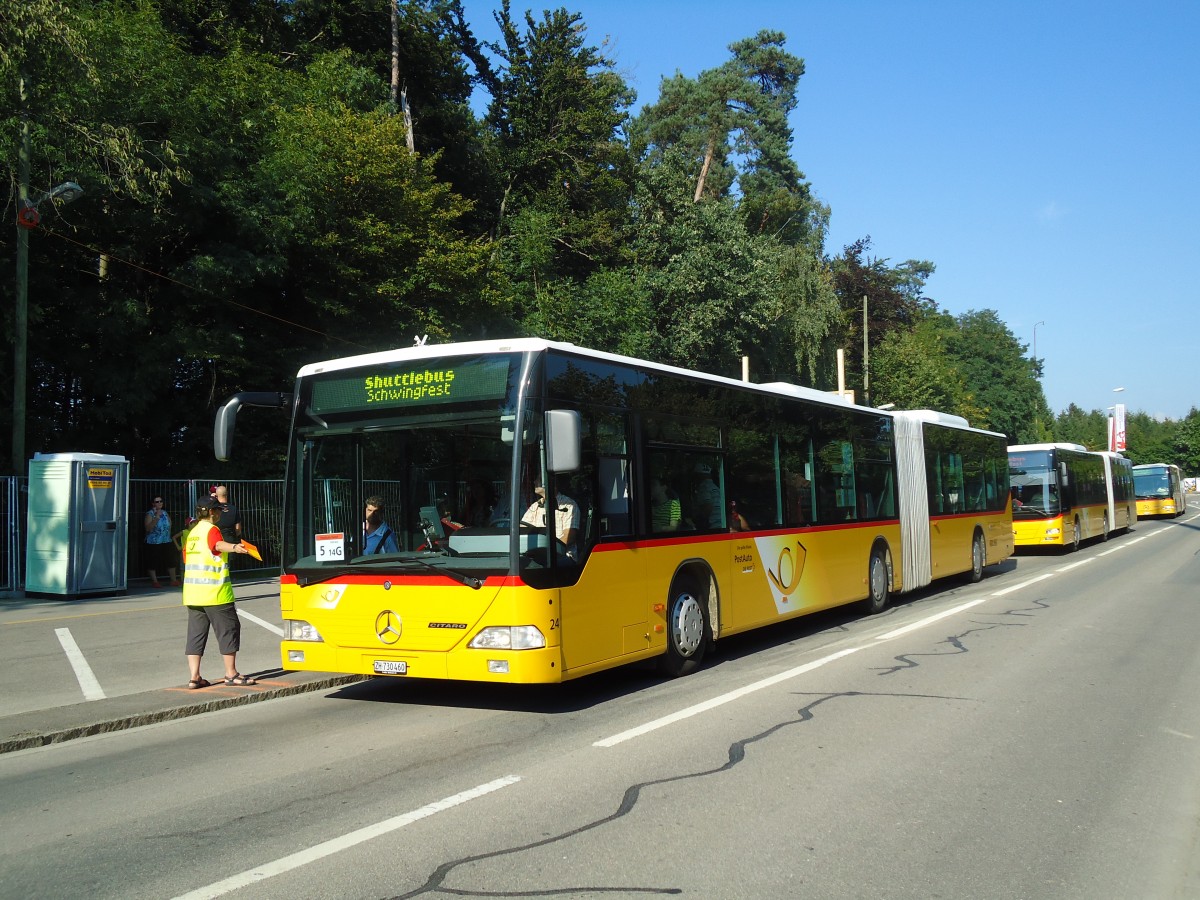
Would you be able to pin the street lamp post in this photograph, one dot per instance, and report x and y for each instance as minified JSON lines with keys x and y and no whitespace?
{"x":27,"y":219}
{"x":1035,"y":328}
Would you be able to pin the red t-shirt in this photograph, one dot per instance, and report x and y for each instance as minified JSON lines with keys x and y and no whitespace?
{"x":214,"y":535}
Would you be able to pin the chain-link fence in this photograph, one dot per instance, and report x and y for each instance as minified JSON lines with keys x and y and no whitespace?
{"x":259,"y":503}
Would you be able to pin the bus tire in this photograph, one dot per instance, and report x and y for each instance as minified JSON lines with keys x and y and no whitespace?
{"x":978,"y":557}
{"x":1076,"y":537}
{"x":879,"y":581}
{"x":688,"y":630}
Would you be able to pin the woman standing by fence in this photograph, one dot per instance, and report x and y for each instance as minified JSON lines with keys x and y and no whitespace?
{"x":159,"y":544}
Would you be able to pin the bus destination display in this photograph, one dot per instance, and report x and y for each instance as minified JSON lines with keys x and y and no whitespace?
{"x":392,"y":386}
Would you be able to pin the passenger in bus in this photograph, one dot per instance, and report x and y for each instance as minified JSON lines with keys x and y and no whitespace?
{"x":737,"y":522}
{"x":566,"y":519}
{"x":706,"y":498}
{"x":665,"y":512}
{"x":446,"y":516}
{"x":378,"y":536}
{"x":799,"y":499}
{"x":479,"y":503}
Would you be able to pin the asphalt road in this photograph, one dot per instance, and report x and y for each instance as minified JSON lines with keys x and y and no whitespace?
{"x":1034,"y":735}
{"x":69,"y":668}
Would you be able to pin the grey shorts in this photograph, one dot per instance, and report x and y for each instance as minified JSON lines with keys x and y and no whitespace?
{"x":225,"y":623}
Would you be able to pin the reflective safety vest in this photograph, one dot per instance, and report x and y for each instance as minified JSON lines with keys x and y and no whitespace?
{"x":206,"y":579}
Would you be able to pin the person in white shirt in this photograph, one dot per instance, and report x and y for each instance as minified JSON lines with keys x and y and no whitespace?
{"x":566,"y":519}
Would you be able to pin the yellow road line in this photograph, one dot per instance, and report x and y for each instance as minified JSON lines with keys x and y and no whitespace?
{"x":111,"y":612}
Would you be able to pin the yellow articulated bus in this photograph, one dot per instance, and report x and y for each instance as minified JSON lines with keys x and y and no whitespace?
{"x":539,"y":512}
{"x":1064,"y":494}
{"x":1159,"y":490}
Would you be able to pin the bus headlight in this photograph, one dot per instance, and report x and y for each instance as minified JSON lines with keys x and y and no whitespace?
{"x":299,"y":630}
{"x":1054,"y":532}
{"x":515,"y":637}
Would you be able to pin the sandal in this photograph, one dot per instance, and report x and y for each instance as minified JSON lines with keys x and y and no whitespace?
{"x":199,"y":683}
{"x":240,"y":681}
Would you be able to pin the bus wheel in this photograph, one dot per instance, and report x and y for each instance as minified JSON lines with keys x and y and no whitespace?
{"x":978,"y":557}
{"x":1075,"y":537}
{"x":878,"y":580}
{"x":688,"y":630}
{"x":1104,"y":533}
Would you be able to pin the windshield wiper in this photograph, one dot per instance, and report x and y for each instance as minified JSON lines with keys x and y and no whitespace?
{"x":469,"y":580}
{"x":323,"y":572}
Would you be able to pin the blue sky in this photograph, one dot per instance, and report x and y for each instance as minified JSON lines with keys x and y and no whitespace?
{"x":1043,"y":155}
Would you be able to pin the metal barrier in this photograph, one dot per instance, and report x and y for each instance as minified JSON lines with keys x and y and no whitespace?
{"x":259,"y":503}
{"x":12,"y":538}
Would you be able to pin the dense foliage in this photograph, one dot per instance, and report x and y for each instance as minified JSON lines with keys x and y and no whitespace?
{"x":251,"y":205}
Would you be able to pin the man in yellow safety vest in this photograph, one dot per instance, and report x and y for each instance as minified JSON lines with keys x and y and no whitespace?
{"x":208,"y":596}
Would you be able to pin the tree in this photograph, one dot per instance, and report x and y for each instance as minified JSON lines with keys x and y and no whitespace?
{"x":71,"y":111}
{"x":1187,"y":443}
{"x":912,"y":370}
{"x":732,"y":272}
{"x":731,"y":126}
{"x":301,"y":228}
{"x":1074,"y":426}
{"x":1001,"y":378}
{"x":556,"y":118}
{"x":374,"y":236}
{"x":895,"y":301}
{"x":1149,"y":440}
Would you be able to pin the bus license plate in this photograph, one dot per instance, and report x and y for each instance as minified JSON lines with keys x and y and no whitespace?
{"x":391,"y":667}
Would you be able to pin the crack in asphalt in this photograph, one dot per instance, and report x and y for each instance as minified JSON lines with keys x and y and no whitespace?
{"x":736,"y":754}
{"x":909,"y":660}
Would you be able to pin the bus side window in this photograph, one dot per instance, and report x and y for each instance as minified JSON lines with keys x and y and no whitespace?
{"x":796,"y":475}
{"x":614,"y":496}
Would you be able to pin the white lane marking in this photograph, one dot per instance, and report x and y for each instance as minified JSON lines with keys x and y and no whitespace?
{"x":345,"y":842}
{"x":1023,"y":584}
{"x":83,"y":672}
{"x":729,"y":697}
{"x":721,"y":700}
{"x":1074,"y":565}
{"x":263,"y":622}
{"x":929,"y":620}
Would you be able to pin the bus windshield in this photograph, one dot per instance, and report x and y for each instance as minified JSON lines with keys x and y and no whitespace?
{"x":1150,"y":484}
{"x":428,"y":447}
{"x":1034,"y":483}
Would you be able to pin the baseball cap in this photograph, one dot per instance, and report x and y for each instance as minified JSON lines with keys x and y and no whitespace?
{"x":206,"y":503}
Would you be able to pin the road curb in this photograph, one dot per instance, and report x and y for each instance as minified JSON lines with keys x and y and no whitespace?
{"x":176,"y":707}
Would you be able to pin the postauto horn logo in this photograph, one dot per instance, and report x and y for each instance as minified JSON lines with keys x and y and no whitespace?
{"x":786,"y":575}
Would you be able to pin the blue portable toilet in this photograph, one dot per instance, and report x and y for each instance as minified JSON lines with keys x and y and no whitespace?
{"x":77,"y":528}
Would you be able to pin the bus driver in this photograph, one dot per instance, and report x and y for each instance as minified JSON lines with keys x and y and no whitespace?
{"x":566,"y":519}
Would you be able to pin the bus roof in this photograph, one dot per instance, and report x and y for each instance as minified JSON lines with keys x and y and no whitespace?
{"x":533,"y":345}
{"x":1059,"y":446}
{"x":932,"y":415}
{"x":940,"y":418}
